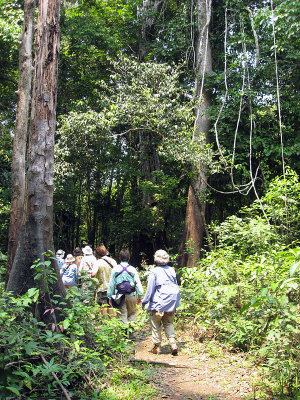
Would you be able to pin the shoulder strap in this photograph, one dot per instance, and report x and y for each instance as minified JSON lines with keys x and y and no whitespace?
{"x":64,"y":269}
{"x":102,"y":258}
{"x":124,"y":269}
{"x":170,"y":278}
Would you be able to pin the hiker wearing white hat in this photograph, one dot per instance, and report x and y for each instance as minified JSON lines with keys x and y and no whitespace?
{"x":87,"y":262}
{"x":68,"y":272}
{"x":60,"y":258}
{"x":162,"y":298}
{"x":87,"y":251}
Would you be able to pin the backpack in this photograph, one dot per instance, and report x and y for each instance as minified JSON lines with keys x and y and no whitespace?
{"x":125,"y":287}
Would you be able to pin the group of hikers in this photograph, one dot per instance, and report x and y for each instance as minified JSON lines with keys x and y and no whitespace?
{"x":119,"y":286}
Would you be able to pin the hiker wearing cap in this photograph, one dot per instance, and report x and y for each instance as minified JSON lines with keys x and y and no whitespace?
{"x":60,"y":258}
{"x":102,"y":271}
{"x":87,"y":262}
{"x":125,"y":288}
{"x":68,"y":272}
{"x":162,"y":299}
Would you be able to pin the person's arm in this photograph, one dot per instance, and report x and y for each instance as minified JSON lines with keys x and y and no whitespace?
{"x":174,"y":276}
{"x":95,"y":268}
{"x":80,"y":268}
{"x":150,"y":289}
{"x":138,"y":286}
{"x":111,"y":285}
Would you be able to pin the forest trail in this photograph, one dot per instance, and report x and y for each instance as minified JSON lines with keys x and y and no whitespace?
{"x":200,"y":371}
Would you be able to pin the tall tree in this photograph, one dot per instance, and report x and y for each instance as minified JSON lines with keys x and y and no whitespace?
{"x":36,"y":233}
{"x":195,"y":222}
{"x":21,"y":130}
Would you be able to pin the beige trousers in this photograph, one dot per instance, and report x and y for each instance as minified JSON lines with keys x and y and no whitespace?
{"x":159,"y":319}
{"x":128,"y":309}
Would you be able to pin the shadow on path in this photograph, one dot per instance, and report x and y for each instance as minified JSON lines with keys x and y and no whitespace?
{"x":193,"y":374}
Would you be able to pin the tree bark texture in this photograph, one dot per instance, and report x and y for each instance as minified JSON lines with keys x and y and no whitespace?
{"x":147,"y":13}
{"x":196,"y":208}
{"x":149,"y":161}
{"x":36,"y":234}
{"x":21,"y":131}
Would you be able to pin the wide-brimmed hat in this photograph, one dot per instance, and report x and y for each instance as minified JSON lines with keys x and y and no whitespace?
{"x":60,"y":253}
{"x":69,"y":258}
{"x":87,"y":251}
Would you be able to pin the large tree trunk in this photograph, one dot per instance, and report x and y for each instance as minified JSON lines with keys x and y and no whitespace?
{"x":78,"y":219}
{"x":149,"y":162}
{"x":21,"y":131}
{"x":147,"y":146}
{"x":36,"y":234}
{"x":147,"y":13}
{"x":195,"y":224}
{"x":89,"y":210}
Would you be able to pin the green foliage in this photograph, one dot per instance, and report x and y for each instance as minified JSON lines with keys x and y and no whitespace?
{"x":251,"y":304}
{"x":247,"y":289}
{"x":99,"y":160}
{"x":246,"y":235}
{"x":5,"y":184}
{"x":247,"y":114}
{"x":272,"y":219}
{"x":79,"y":350}
{"x":11,"y":17}
{"x":129,"y":382}
{"x":91,"y":31}
{"x":147,"y":97}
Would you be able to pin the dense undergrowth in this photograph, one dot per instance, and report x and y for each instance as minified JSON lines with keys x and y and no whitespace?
{"x":85,"y":354}
{"x":246,"y":291}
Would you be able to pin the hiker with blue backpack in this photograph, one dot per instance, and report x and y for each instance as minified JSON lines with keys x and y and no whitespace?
{"x":162,"y":299}
{"x":125,"y":289}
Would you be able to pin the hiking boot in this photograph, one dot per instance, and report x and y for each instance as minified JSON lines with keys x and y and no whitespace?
{"x":156,"y":348}
{"x":174,"y":349}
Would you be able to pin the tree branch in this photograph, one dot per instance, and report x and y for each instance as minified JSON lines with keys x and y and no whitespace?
{"x":56,"y":378}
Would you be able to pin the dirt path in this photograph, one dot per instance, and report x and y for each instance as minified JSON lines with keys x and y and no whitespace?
{"x":200,"y":370}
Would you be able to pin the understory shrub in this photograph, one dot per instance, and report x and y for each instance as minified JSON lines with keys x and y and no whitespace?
{"x":77,"y":353}
{"x":248,"y":289}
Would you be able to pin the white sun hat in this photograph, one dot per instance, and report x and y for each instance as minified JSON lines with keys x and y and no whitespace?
{"x":70,"y":258}
{"x":60,"y":253}
{"x":87,"y":251}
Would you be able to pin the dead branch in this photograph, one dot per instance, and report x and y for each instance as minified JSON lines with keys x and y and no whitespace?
{"x":56,"y":378}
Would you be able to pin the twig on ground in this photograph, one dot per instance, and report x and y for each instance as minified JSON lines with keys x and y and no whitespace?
{"x":19,"y":362}
{"x":88,"y":379}
{"x":56,"y":378}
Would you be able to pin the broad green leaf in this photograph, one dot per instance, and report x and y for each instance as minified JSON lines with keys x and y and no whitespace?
{"x":13,"y":390}
{"x":66,"y":323}
{"x":264,"y":292}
